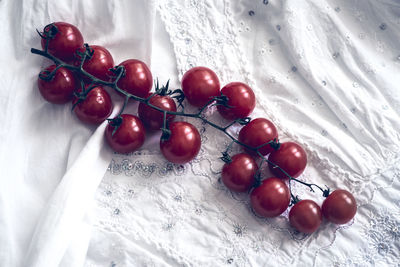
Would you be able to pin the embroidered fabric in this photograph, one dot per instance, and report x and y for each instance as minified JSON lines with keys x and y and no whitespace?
{"x":154,"y":213}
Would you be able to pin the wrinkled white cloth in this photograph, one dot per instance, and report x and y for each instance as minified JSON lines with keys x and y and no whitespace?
{"x":325,"y":72}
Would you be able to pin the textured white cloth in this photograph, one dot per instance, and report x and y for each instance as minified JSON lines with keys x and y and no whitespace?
{"x":325,"y":72}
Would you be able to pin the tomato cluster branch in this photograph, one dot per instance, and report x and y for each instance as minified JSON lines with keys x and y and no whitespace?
{"x":119,"y":71}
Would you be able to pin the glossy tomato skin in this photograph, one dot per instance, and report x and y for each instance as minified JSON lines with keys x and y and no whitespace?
{"x":129,"y":136}
{"x":291,"y":157}
{"x":238,"y":175}
{"x":95,"y":108}
{"x":183,"y":144}
{"x":305,"y":216}
{"x":271,"y":198}
{"x":137,"y":79}
{"x":65,"y":42}
{"x":60,"y":88}
{"x":241,"y":101}
{"x":152,"y":118}
{"x":200,"y":85}
{"x":257,"y":132}
{"x":339,"y":207}
{"x":99,"y":64}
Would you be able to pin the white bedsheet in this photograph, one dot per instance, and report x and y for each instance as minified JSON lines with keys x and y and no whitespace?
{"x":327,"y":74}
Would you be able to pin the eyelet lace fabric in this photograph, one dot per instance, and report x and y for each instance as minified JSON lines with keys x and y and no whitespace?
{"x":154,"y":213}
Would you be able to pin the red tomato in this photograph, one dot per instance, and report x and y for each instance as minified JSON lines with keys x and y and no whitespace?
{"x":99,"y":64}
{"x":183,"y":145}
{"x":305,"y":216}
{"x":259,"y":131}
{"x":271,"y":198}
{"x":152,"y":118}
{"x":339,"y":207}
{"x":241,"y":101}
{"x":95,"y":108}
{"x":137,"y":79}
{"x":200,"y":85}
{"x":129,"y":136}
{"x":291,"y":158}
{"x":64,"y":40}
{"x":60,"y":88}
{"x":238,"y":175}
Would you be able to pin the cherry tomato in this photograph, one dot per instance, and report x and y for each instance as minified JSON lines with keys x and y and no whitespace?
{"x":291,"y":158}
{"x":137,"y":79}
{"x":129,"y":136}
{"x":339,"y":207}
{"x":241,"y":101}
{"x":64,"y":40}
{"x":152,"y":118}
{"x":99,"y":64}
{"x":305,"y":216}
{"x":60,"y":88}
{"x":257,"y":132}
{"x":271,"y":198}
{"x":238,"y":175}
{"x":200,"y":85}
{"x":183,"y":144}
{"x":96,"y":107}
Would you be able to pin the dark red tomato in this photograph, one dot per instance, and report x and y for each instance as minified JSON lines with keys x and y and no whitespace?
{"x":291,"y":158}
{"x":241,"y":101}
{"x":305,"y":216}
{"x":60,"y":88}
{"x":200,"y":85}
{"x":137,"y":79}
{"x":238,"y":175}
{"x":339,"y":207}
{"x":271,"y":198}
{"x":64,"y":40}
{"x":129,"y":136}
{"x":152,"y":118}
{"x":183,"y":144}
{"x":259,"y":131}
{"x":99,"y":64}
{"x":95,"y":108}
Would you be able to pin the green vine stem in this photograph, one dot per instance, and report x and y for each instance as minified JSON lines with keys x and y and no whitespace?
{"x":179,"y":96}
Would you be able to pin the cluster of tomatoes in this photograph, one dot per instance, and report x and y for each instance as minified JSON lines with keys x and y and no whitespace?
{"x":74,"y":80}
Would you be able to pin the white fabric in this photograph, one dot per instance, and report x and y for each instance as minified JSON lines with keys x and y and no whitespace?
{"x":325,"y":72}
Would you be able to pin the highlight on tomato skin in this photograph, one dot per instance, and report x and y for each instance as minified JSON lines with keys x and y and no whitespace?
{"x":183,"y":144}
{"x":271,"y":198}
{"x":60,"y":88}
{"x":200,"y":85}
{"x":291,"y":157}
{"x":238,"y":174}
{"x":129,"y":136}
{"x":305,"y":216}
{"x":257,"y":132}
{"x":339,"y":207}
{"x":64,"y":40}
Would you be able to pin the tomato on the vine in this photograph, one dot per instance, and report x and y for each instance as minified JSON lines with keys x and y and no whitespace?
{"x":271,"y":198}
{"x":305,"y":216}
{"x":152,"y":118}
{"x":59,"y":89}
{"x":95,"y":108}
{"x":339,"y":207}
{"x":137,"y":79}
{"x":258,"y":132}
{"x":200,"y":85}
{"x":183,"y":143}
{"x":129,"y":136}
{"x":99,"y":64}
{"x":64,"y":40}
{"x":238,"y":175}
{"x":241,"y":101}
{"x":290,"y":157}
